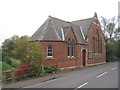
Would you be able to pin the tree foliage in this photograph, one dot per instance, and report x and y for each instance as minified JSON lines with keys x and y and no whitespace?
{"x":22,"y":49}
{"x":8,"y":46}
{"x":0,"y":54}
{"x":112,"y":50}
{"x":5,"y":66}
{"x":109,"y":26}
{"x":112,"y":38}
{"x":34,"y":53}
{"x":117,"y":33}
{"x":34,"y":57}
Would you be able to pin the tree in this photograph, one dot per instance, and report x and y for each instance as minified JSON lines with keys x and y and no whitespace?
{"x":108,"y":26}
{"x":27,"y":52}
{"x":117,"y":33}
{"x":20,"y":47}
{"x":104,"y":22}
{"x":33,"y":53}
{"x":8,"y":46}
{"x":118,"y":50}
{"x":113,"y":41}
{"x":0,"y":54}
{"x":112,"y":50}
{"x":34,"y":56}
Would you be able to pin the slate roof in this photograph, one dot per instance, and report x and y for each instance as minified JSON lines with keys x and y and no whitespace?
{"x":51,"y":30}
{"x":84,"y":24}
{"x":66,"y":30}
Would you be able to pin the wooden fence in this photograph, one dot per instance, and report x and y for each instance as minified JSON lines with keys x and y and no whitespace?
{"x":10,"y":75}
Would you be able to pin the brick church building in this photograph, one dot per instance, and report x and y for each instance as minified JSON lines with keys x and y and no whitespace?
{"x":71,"y":44}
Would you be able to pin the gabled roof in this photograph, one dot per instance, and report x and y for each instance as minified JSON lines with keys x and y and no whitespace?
{"x":51,"y":30}
{"x":66,"y":30}
{"x":85,"y":24}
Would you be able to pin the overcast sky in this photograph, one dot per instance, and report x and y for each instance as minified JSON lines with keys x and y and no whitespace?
{"x":24,"y":17}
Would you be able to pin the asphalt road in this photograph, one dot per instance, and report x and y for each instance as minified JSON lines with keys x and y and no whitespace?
{"x":101,"y":76}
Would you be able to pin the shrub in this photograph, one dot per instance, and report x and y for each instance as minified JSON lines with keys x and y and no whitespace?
{"x":14,"y":64}
{"x":0,"y":66}
{"x":27,"y":68}
{"x":50,"y":69}
{"x":5,"y":66}
{"x":0,"y":63}
{"x":36,"y":69}
{"x":111,"y":51}
{"x":7,"y":59}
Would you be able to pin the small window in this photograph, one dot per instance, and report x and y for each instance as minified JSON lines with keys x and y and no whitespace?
{"x":49,"y":51}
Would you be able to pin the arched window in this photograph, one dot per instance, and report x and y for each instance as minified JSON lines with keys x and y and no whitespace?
{"x":100,"y":46}
{"x":49,"y":51}
{"x":97,"y":42}
{"x":68,"y":47}
{"x":93,"y":45}
{"x":73,"y":48}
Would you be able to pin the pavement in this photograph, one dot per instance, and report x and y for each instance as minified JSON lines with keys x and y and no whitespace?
{"x":74,"y":78}
{"x":30,"y":81}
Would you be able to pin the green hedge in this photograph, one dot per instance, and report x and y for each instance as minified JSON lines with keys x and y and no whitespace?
{"x":112,"y":51}
{"x":14,"y":64}
{"x":50,"y":69}
{"x":5,"y":66}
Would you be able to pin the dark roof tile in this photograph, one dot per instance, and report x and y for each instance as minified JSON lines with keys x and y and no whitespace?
{"x":51,"y":29}
{"x":84,"y":24}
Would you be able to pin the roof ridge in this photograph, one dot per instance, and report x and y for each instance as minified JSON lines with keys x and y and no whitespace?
{"x":59,"y":19}
{"x":63,"y":21}
{"x":83,"y":19}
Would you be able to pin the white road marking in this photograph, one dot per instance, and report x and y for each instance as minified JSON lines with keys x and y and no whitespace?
{"x":102,"y":74}
{"x":82,"y":85}
{"x":113,"y":68}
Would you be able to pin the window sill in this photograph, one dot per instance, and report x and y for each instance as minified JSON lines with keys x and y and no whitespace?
{"x":97,"y":54}
{"x":68,"y":57}
{"x":72,"y":57}
{"x":49,"y":57}
{"x":90,"y":58}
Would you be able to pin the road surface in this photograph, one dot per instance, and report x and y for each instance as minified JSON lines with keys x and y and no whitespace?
{"x":101,"y":76}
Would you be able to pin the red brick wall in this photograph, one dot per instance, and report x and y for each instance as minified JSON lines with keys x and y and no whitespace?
{"x":93,"y":30}
{"x":71,"y":61}
{"x":56,"y":53}
{"x":61,"y":59}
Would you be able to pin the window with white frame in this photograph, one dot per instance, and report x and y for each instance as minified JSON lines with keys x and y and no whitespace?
{"x":49,"y":51}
